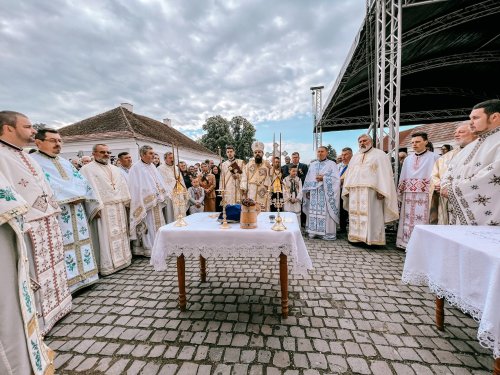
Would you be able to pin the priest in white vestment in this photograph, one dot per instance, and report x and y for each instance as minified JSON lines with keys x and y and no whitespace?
{"x":472,"y":182}
{"x":171,"y":178}
{"x":369,"y":194}
{"x":413,"y":188}
{"x":256,"y":178}
{"x":42,"y":232}
{"x":77,"y":201}
{"x":292,"y":192}
{"x":148,"y":195}
{"x":110,"y":224}
{"x":322,"y":190}
{"x":230,"y":179}
{"x":22,"y":350}
{"x":438,"y":211}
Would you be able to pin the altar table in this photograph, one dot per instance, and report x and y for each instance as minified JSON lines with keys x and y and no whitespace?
{"x":204,"y":238}
{"x":462,"y":265}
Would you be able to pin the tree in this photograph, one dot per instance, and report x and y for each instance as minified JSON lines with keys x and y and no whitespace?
{"x":238,"y":132}
{"x":244,"y":135}
{"x":332,"y":154}
{"x":218,"y":134}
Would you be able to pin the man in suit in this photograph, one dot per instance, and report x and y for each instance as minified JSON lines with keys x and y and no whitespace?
{"x":301,"y":173}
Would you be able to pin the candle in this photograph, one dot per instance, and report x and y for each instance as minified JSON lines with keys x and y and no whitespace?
{"x":221,"y":176}
{"x":173,"y":158}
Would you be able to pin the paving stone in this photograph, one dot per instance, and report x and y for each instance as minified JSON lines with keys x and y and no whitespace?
{"x":118,"y":367}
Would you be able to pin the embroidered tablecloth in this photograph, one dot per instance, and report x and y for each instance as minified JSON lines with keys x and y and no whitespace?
{"x":461,"y":264}
{"x":203,"y":236}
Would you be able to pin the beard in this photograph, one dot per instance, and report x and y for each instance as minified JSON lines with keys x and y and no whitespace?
{"x":102,"y":161}
{"x":258,"y":159}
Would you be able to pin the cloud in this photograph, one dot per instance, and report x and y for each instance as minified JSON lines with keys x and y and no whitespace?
{"x":63,"y":61}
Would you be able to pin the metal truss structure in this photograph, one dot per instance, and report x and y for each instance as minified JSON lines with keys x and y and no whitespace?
{"x":316,"y":110}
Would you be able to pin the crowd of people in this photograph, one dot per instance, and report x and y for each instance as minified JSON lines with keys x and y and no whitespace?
{"x":66,"y":223}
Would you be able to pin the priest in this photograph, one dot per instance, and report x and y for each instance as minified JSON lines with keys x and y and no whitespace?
{"x":148,"y":197}
{"x":77,"y":200}
{"x":42,"y":232}
{"x":109,"y":224}
{"x":322,"y":189}
{"x":172,"y":178}
{"x":22,"y":350}
{"x":231,"y":172}
{"x":472,"y":182}
{"x":256,"y":178}
{"x":369,"y":194}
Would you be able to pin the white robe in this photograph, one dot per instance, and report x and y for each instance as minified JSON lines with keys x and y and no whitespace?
{"x":323,"y":203}
{"x":22,"y":350}
{"x":413,"y":192}
{"x":171,"y":210}
{"x":111,"y":238}
{"x":148,"y":195}
{"x":231,"y":184}
{"x":71,"y":190}
{"x":369,"y":173}
{"x":473,"y":182}
{"x":42,"y":234}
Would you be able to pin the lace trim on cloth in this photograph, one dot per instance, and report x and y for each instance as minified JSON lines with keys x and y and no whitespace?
{"x":485,"y":334}
{"x":243,"y":251}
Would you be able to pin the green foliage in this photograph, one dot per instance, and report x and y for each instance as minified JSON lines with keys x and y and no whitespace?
{"x":332,"y":154}
{"x":238,"y":132}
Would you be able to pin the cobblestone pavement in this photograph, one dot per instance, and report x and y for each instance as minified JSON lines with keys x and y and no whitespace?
{"x":352,"y":315}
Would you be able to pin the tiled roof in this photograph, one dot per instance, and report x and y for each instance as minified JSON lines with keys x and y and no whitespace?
{"x":120,"y":122}
{"x":438,"y":133}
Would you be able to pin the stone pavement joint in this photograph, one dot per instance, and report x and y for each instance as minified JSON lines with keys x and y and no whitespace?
{"x":351,"y":315}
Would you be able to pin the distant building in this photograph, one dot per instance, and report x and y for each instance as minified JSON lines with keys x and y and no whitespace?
{"x":439,"y":134}
{"x":123,"y":130}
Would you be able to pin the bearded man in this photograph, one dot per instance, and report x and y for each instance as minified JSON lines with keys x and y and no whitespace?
{"x":369,"y":194}
{"x":231,"y":173}
{"x":256,"y":179}
{"x":472,"y":182}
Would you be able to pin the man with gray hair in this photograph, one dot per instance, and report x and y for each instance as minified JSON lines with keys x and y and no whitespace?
{"x":369,"y":194}
{"x":148,"y":197}
{"x":109,"y":225}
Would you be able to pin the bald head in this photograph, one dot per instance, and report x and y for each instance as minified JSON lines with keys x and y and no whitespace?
{"x":463,"y":134}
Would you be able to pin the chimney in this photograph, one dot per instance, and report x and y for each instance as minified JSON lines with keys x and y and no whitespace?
{"x":127,"y":106}
{"x":167,"y":122}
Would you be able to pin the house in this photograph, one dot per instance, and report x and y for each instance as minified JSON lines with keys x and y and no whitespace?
{"x":438,"y":133}
{"x":123,"y":130}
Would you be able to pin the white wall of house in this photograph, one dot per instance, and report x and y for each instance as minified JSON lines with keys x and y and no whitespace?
{"x":71,"y":149}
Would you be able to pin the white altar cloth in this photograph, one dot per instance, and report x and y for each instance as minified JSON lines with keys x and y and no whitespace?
{"x":461,"y":264}
{"x":203,"y":236}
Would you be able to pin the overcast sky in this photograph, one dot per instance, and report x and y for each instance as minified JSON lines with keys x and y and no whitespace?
{"x":63,"y":61}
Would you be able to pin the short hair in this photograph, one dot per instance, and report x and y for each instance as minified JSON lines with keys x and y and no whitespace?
{"x":347,"y":149}
{"x":447,"y":147}
{"x":229,"y":147}
{"x":9,"y":118}
{"x":295,"y":153}
{"x":144,"y":149}
{"x":41,"y":134}
{"x":489,"y":106}
{"x":94,"y":148}
{"x":420,"y":134}
{"x":430,"y":146}
{"x":121,"y":154}
{"x":167,"y":153}
{"x":365,"y":136}
{"x":292,"y":167}
{"x":277,"y":157}
{"x":323,"y":147}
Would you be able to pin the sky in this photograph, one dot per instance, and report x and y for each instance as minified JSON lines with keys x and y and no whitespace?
{"x":66,"y":60}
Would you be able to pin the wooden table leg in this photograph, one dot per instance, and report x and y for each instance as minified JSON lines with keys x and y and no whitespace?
{"x":284,"y":285}
{"x":440,"y":313}
{"x":203,"y":269}
{"x":496,"y":367}
{"x":181,"y":277}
